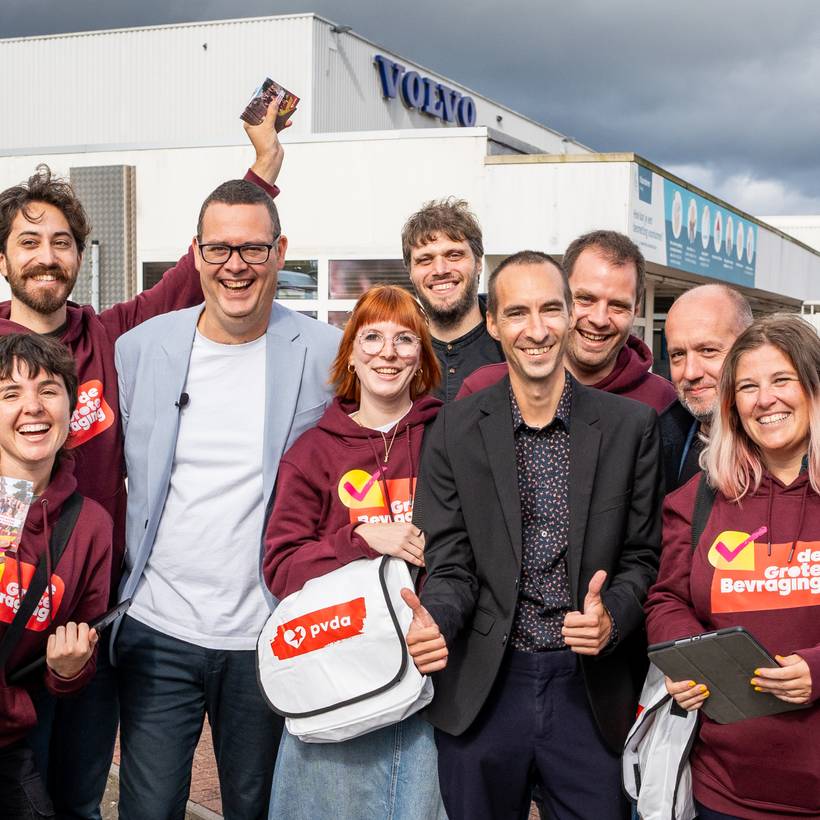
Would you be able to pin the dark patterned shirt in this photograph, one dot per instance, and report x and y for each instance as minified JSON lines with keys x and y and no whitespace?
{"x":542,"y":459}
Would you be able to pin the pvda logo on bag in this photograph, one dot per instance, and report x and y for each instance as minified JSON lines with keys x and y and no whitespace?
{"x":318,"y":629}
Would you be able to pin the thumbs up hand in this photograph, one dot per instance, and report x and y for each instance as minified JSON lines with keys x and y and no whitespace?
{"x":587,"y":632}
{"x":425,"y":642}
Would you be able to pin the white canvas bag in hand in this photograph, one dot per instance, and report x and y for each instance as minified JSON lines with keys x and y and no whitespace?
{"x":333,"y":658}
{"x":655,"y":763}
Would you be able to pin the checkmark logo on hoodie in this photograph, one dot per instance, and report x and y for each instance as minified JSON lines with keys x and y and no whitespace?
{"x":731,"y":550}
{"x":731,"y":554}
{"x":358,"y":488}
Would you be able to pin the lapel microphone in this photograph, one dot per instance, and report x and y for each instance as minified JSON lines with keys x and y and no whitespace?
{"x":182,"y":401}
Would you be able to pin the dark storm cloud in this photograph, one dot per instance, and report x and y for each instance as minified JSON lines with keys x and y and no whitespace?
{"x":726,"y":90}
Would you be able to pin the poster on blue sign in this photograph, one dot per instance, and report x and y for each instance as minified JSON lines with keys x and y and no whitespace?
{"x":680,"y":229}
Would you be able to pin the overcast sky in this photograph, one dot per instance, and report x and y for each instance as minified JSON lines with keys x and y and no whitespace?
{"x":725,"y":94}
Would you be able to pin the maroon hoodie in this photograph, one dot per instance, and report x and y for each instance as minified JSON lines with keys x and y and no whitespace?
{"x":79,"y":592}
{"x":95,"y":435}
{"x":630,"y":377}
{"x":762,"y":767}
{"x":333,"y":479}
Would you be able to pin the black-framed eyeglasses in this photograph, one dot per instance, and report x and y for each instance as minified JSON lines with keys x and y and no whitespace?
{"x":251,"y":253}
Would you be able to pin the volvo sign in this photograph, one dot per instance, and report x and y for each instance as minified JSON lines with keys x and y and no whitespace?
{"x":422,"y":93}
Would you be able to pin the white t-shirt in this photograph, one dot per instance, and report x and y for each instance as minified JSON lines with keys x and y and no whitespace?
{"x":201,"y":582}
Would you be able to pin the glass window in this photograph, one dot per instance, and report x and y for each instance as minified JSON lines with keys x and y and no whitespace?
{"x":350,"y":278}
{"x":298,"y":279}
{"x":152,"y":272}
{"x":338,"y":318}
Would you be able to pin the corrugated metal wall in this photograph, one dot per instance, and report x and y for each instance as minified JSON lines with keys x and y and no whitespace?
{"x":185,"y":86}
{"x":349,"y":95}
{"x":149,"y":87}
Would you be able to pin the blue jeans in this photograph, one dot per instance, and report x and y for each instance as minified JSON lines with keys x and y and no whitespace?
{"x":389,"y":774}
{"x":73,"y":742}
{"x":167,"y":686}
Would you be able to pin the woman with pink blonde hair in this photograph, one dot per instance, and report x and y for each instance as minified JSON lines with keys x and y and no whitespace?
{"x":755,"y":565}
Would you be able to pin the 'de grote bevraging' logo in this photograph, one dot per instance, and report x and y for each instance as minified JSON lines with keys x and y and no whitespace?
{"x":12,"y":593}
{"x":315,"y":630}
{"x":92,"y":415}
{"x":751,"y":575}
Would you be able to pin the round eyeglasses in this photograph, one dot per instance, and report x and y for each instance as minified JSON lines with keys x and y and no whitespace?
{"x":372,"y":342}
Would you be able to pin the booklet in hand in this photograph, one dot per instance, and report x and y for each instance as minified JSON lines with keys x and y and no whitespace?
{"x":15,"y":499}
{"x":269,"y":91}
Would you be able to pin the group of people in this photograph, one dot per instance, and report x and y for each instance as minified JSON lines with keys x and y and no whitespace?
{"x":527,"y":429}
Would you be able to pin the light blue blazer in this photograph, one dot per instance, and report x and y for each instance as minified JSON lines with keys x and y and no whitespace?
{"x":152,"y":366}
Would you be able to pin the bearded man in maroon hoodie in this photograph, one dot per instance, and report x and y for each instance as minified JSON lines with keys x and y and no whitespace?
{"x":43,"y":231}
{"x":607,"y":274}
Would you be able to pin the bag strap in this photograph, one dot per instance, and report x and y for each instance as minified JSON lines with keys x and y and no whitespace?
{"x":69,"y":514}
{"x":704,"y":501}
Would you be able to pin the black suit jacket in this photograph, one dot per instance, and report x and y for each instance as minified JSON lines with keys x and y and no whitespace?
{"x":676,"y":426}
{"x":470,"y":511}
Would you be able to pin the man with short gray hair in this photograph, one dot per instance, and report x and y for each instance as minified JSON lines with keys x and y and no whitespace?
{"x":701,"y":326}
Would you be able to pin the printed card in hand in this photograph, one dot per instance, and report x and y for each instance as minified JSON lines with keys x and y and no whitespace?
{"x":269,"y":91}
{"x":15,"y":499}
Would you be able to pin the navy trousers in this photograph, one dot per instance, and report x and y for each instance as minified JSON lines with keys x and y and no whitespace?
{"x":23,"y":793}
{"x":711,"y":814}
{"x":537,"y":723}
{"x":167,"y":686}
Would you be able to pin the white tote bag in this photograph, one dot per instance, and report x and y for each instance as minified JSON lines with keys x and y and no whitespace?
{"x":655,"y":762}
{"x":333,"y":659}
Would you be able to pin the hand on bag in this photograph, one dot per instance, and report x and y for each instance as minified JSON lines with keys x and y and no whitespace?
{"x":791,"y":681}
{"x":265,"y":140}
{"x":397,"y":538}
{"x":587,"y":632}
{"x":69,"y":649}
{"x":688,"y":694}
{"x":426,"y":644}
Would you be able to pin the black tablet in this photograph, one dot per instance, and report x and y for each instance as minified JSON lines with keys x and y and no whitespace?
{"x":99,"y":624}
{"x":724,"y":660}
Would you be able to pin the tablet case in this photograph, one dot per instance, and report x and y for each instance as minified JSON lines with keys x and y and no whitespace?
{"x":725,"y":660}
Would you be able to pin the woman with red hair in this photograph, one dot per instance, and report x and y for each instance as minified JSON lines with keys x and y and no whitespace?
{"x":344,"y":492}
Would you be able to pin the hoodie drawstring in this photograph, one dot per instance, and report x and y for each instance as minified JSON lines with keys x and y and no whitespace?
{"x":49,"y":568}
{"x":799,"y":520}
{"x":382,"y":468}
{"x":769,"y":516}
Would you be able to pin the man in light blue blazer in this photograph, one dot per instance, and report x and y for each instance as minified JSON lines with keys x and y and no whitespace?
{"x":211,"y":397}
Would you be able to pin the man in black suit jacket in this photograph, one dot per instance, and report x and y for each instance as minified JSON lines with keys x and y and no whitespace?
{"x":540,"y":500}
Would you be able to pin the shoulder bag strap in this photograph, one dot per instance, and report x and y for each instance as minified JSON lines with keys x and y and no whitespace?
{"x":37,"y":586}
{"x":704,"y":501}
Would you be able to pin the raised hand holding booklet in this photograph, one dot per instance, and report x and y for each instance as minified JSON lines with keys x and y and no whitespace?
{"x":269,"y":91}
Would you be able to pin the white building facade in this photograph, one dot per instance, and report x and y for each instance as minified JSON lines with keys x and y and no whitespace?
{"x":375,"y":136}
